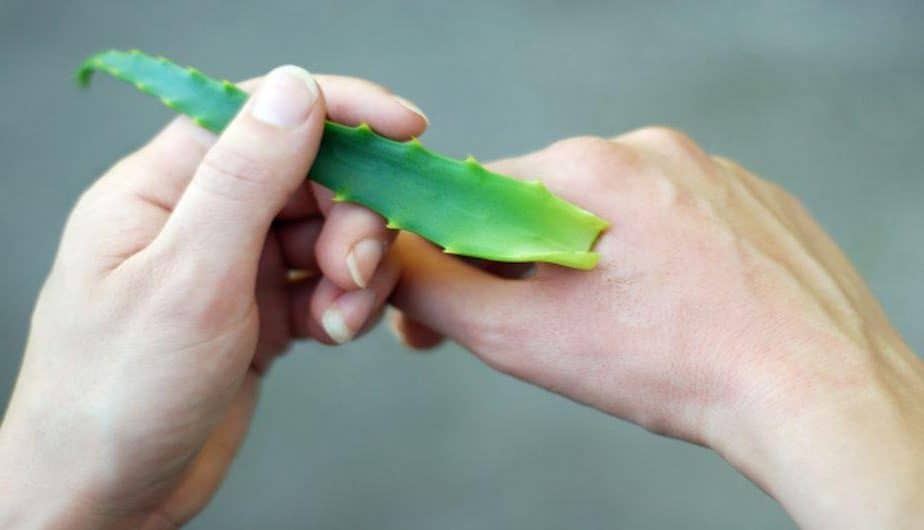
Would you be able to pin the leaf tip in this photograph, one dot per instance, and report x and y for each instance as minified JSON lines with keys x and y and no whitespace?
{"x":85,"y":72}
{"x":83,"y":75}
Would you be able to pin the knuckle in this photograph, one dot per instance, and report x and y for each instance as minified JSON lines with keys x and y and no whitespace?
{"x":598,"y":159}
{"x":227,"y":172}
{"x":677,"y":146}
{"x":357,"y":219}
{"x":582,"y":147}
{"x":87,"y":202}
{"x":130,"y":164}
{"x":728,"y":165}
{"x":619,"y":157}
{"x":778,"y":192}
{"x":114,"y":180}
{"x":735,"y":171}
{"x":96,"y":203}
{"x":791,"y":204}
{"x":768,"y":189}
{"x":668,"y":137}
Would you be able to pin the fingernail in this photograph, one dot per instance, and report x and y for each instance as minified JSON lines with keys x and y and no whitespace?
{"x":347,"y":314}
{"x":285,"y":98}
{"x":335,"y":326}
{"x":363,"y":259}
{"x":409,"y":105}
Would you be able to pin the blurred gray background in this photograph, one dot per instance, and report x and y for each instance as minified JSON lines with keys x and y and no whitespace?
{"x":824,"y":98}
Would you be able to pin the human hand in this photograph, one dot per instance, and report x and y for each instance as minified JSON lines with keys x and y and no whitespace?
{"x":169,"y":297}
{"x":719,"y":313}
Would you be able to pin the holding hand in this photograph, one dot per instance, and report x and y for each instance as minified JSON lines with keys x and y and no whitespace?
{"x":719,"y":313}
{"x":169,"y":297}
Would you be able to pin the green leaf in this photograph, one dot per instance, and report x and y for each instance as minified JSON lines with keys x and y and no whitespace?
{"x":457,"y":204}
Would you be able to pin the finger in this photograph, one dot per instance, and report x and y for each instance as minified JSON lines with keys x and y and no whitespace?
{"x":323,"y":196}
{"x":411,"y":333}
{"x":124,"y":210}
{"x":160,"y":171}
{"x":171,"y":158}
{"x":297,"y":240}
{"x":351,"y":245}
{"x":247,"y":177}
{"x":454,"y":299}
{"x":418,"y":336}
{"x":272,"y":297}
{"x":344,"y":315}
{"x":354,"y":239}
{"x":441,"y":295}
{"x":301,"y":323}
{"x":353,"y":101}
{"x":301,"y":204}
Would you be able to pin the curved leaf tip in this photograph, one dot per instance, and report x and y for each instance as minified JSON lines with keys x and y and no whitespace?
{"x":84,"y":73}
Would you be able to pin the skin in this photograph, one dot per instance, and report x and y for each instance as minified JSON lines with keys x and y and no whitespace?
{"x":720,"y":313}
{"x":170,"y":297}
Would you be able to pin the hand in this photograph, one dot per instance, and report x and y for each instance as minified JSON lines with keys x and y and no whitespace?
{"x":719,"y":313}
{"x":169,"y":297}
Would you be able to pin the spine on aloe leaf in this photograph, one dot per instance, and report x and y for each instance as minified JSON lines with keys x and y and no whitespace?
{"x":457,"y":204}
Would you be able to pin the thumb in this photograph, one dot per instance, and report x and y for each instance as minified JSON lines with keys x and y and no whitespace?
{"x":246,"y":177}
{"x":475,"y":308}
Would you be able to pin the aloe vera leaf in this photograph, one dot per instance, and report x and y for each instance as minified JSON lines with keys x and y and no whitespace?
{"x":457,"y":204}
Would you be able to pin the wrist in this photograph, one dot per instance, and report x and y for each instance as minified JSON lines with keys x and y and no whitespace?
{"x":837,"y":450}
{"x":36,"y":493}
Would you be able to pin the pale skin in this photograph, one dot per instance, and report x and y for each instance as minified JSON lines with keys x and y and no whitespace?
{"x":169,"y":298}
{"x":720,"y":313}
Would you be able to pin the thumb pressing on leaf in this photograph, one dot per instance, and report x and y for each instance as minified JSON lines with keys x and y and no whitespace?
{"x":246,"y":178}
